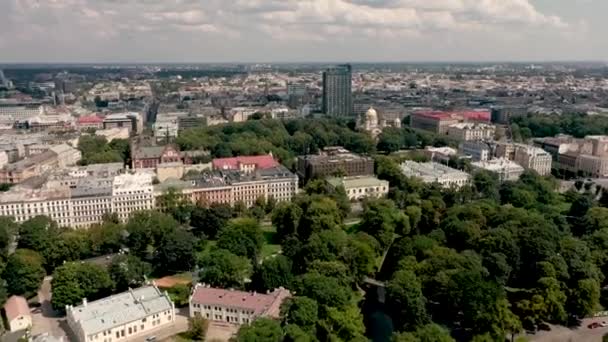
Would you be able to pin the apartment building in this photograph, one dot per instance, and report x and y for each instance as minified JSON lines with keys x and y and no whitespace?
{"x":332,"y":161}
{"x":477,"y":150}
{"x":432,"y":172}
{"x":125,"y":316}
{"x":235,"y":307}
{"x":360,"y":187}
{"x":505,"y":169}
{"x":468,"y":131}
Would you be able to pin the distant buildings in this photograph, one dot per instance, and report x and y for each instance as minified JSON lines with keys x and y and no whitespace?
{"x":533,"y":158}
{"x":477,"y":150}
{"x":504,"y":168}
{"x":245,"y":164}
{"x":18,"y":314}
{"x":132,"y":121}
{"x":149,"y":157}
{"x":53,"y":157}
{"x":235,"y":307}
{"x":333,"y":161}
{"x":439,"y":122}
{"x":337,"y":91}
{"x":504,"y":114}
{"x":122,"y":317}
{"x":89,"y":122}
{"x":587,"y":157}
{"x":360,"y":187}
{"x":371,"y":123}
{"x":469,"y":131}
{"x":432,"y":172}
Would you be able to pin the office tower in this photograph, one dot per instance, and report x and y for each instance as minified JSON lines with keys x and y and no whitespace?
{"x":3,"y":80}
{"x":296,"y":95}
{"x":337,"y":91}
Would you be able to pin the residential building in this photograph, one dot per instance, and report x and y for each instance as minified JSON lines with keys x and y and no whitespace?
{"x":504,"y":168}
{"x":66,"y":155}
{"x":439,"y":121}
{"x":235,"y":307}
{"x":477,"y":150}
{"x":360,"y":187}
{"x":504,"y":114}
{"x":533,"y":158}
{"x":587,"y":157}
{"x":297,"y":95}
{"x":132,"y":121}
{"x":332,"y":161}
{"x":337,"y":91}
{"x":190,"y":121}
{"x":148,"y":157}
{"x":245,"y":163}
{"x":18,"y":314}
{"x":469,"y":131}
{"x":125,"y":316}
{"x":19,"y":171}
{"x":89,"y":122}
{"x":113,"y":133}
{"x":166,"y":127}
{"x":432,"y":172}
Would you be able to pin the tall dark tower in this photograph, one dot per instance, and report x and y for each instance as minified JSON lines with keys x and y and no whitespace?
{"x":337,"y":91}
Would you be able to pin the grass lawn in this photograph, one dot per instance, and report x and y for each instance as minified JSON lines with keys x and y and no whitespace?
{"x":268,"y":250}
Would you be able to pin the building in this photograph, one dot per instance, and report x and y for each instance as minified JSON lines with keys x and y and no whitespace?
{"x":504,"y":114}
{"x":297,"y":95}
{"x":19,"y":171}
{"x":332,"y":161}
{"x":113,"y":133}
{"x":148,"y":157}
{"x":66,"y":155}
{"x":440,"y":154}
{"x":132,"y":121}
{"x":371,"y":123}
{"x":439,"y":121}
{"x":337,"y":91}
{"x":432,"y":172}
{"x":122,"y":317}
{"x":166,"y":127}
{"x":504,"y":168}
{"x":533,"y":158}
{"x":18,"y":314}
{"x":190,"y":121}
{"x":235,"y":307}
{"x":477,"y":150}
{"x":89,"y":122}
{"x":469,"y":131}
{"x":245,"y":163}
{"x":360,"y":187}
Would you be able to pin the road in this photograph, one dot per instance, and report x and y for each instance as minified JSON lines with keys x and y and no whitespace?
{"x":44,"y":318}
{"x":564,"y":334}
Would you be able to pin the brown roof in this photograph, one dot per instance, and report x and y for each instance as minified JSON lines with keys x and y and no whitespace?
{"x":16,"y":306}
{"x":262,"y":304}
{"x":170,"y":281}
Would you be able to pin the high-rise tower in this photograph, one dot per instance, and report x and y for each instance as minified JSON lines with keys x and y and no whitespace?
{"x":337,"y":91}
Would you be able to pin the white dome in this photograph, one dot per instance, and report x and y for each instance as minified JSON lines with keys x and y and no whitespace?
{"x":371,"y":114}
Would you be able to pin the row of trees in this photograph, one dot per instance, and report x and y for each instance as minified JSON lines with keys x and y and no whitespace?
{"x":96,"y":149}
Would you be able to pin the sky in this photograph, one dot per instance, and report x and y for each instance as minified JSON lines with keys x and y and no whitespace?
{"x":188,"y":31}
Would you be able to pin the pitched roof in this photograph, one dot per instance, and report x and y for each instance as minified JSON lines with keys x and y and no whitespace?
{"x":262,"y":304}
{"x":261,"y":162}
{"x":16,"y":306}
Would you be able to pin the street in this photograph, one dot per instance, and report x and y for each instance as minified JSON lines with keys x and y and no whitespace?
{"x":564,"y":334}
{"x":44,"y":318}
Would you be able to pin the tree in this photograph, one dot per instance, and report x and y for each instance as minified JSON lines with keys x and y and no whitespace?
{"x":327,"y":291}
{"x":106,"y":238}
{"x":406,"y":301}
{"x":382,"y":220}
{"x":8,"y":228}
{"x":74,"y":281}
{"x":128,"y":271}
{"x":300,"y":311}
{"x":294,"y":333}
{"x":176,"y":252}
{"x":243,"y":237}
{"x":24,"y":272}
{"x":261,"y":330}
{"x":36,"y":233}
{"x":584,"y":298}
{"x":321,"y":213}
{"x":286,"y":218}
{"x":209,"y":221}
{"x":146,"y":229}
{"x":345,"y":324}
{"x":222,"y":268}
{"x":273,"y":273}
{"x":197,"y":328}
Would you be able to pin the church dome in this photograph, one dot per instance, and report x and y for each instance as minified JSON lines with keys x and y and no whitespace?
{"x":371,"y":114}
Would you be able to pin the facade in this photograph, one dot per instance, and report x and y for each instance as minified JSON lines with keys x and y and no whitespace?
{"x":332,"y":161}
{"x":588,"y":156}
{"x":337,"y":91}
{"x":245,"y":163}
{"x":438,"y":122}
{"x":167,"y":126}
{"x":235,"y":307}
{"x":132,"y":121}
{"x":504,"y":168}
{"x":80,"y":202}
{"x":18,"y":314}
{"x":533,"y":158}
{"x":467,"y":131}
{"x":190,"y":121}
{"x":89,"y":122}
{"x":148,"y":157}
{"x":66,"y":155}
{"x":477,"y":150}
{"x":440,"y":154}
{"x":370,"y":122}
{"x":361,"y":187}
{"x":125,"y":316}
{"x":432,"y":172}
{"x":504,"y":114}
{"x":19,"y":171}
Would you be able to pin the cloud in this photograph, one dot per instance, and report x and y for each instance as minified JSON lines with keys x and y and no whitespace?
{"x":112,"y":24}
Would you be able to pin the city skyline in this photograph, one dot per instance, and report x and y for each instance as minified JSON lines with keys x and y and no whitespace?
{"x":190,"y":31}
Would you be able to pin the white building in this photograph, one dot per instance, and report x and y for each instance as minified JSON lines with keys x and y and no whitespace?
{"x":432,"y":172}
{"x":504,"y":168}
{"x":533,"y":158}
{"x":113,"y":133}
{"x":122,"y":317}
{"x":235,"y":307}
{"x":360,"y":187}
{"x":477,"y":150}
{"x":167,"y":125}
{"x":66,"y":155}
{"x":132,"y":192}
{"x":469,"y":131}
{"x":18,"y":314}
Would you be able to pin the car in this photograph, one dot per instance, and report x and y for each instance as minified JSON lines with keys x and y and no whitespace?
{"x":593,"y":325}
{"x":603,"y":324}
{"x":151,"y":339}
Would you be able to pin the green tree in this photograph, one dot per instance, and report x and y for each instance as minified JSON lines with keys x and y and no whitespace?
{"x":175,"y":252}
{"x":286,"y":218}
{"x":243,"y":237}
{"x":382,"y":220}
{"x":261,"y":330}
{"x":406,"y":301}
{"x":74,"y":281}
{"x":128,"y":271}
{"x":221,"y":268}
{"x":327,"y":291}
{"x":209,"y":221}
{"x":197,"y":328}
{"x":146,"y":229}
{"x":345,"y":324}
{"x":300,"y":311}
{"x":273,"y":273}
{"x":24,"y":272}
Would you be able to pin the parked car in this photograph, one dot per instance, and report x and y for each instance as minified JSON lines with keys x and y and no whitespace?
{"x":594,"y":325}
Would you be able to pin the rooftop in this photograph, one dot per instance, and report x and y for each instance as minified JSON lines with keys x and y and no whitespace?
{"x":16,"y":306}
{"x":430,"y":170}
{"x":120,"y":309}
{"x":496,"y":165}
{"x":357,"y":182}
{"x":260,"y":162}
{"x":262,"y":304}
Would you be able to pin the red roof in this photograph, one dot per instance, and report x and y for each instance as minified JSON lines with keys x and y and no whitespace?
{"x":262,"y":304}
{"x":260,"y":162}
{"x":91,"y":119}
{"x":16,"y":306}
{"x":477,"y":115}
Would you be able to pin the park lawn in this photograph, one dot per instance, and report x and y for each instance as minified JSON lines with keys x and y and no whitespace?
{"x":268,"y":250}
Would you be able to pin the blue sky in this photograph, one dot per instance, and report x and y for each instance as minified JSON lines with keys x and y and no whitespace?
{"x":302,"y":30}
